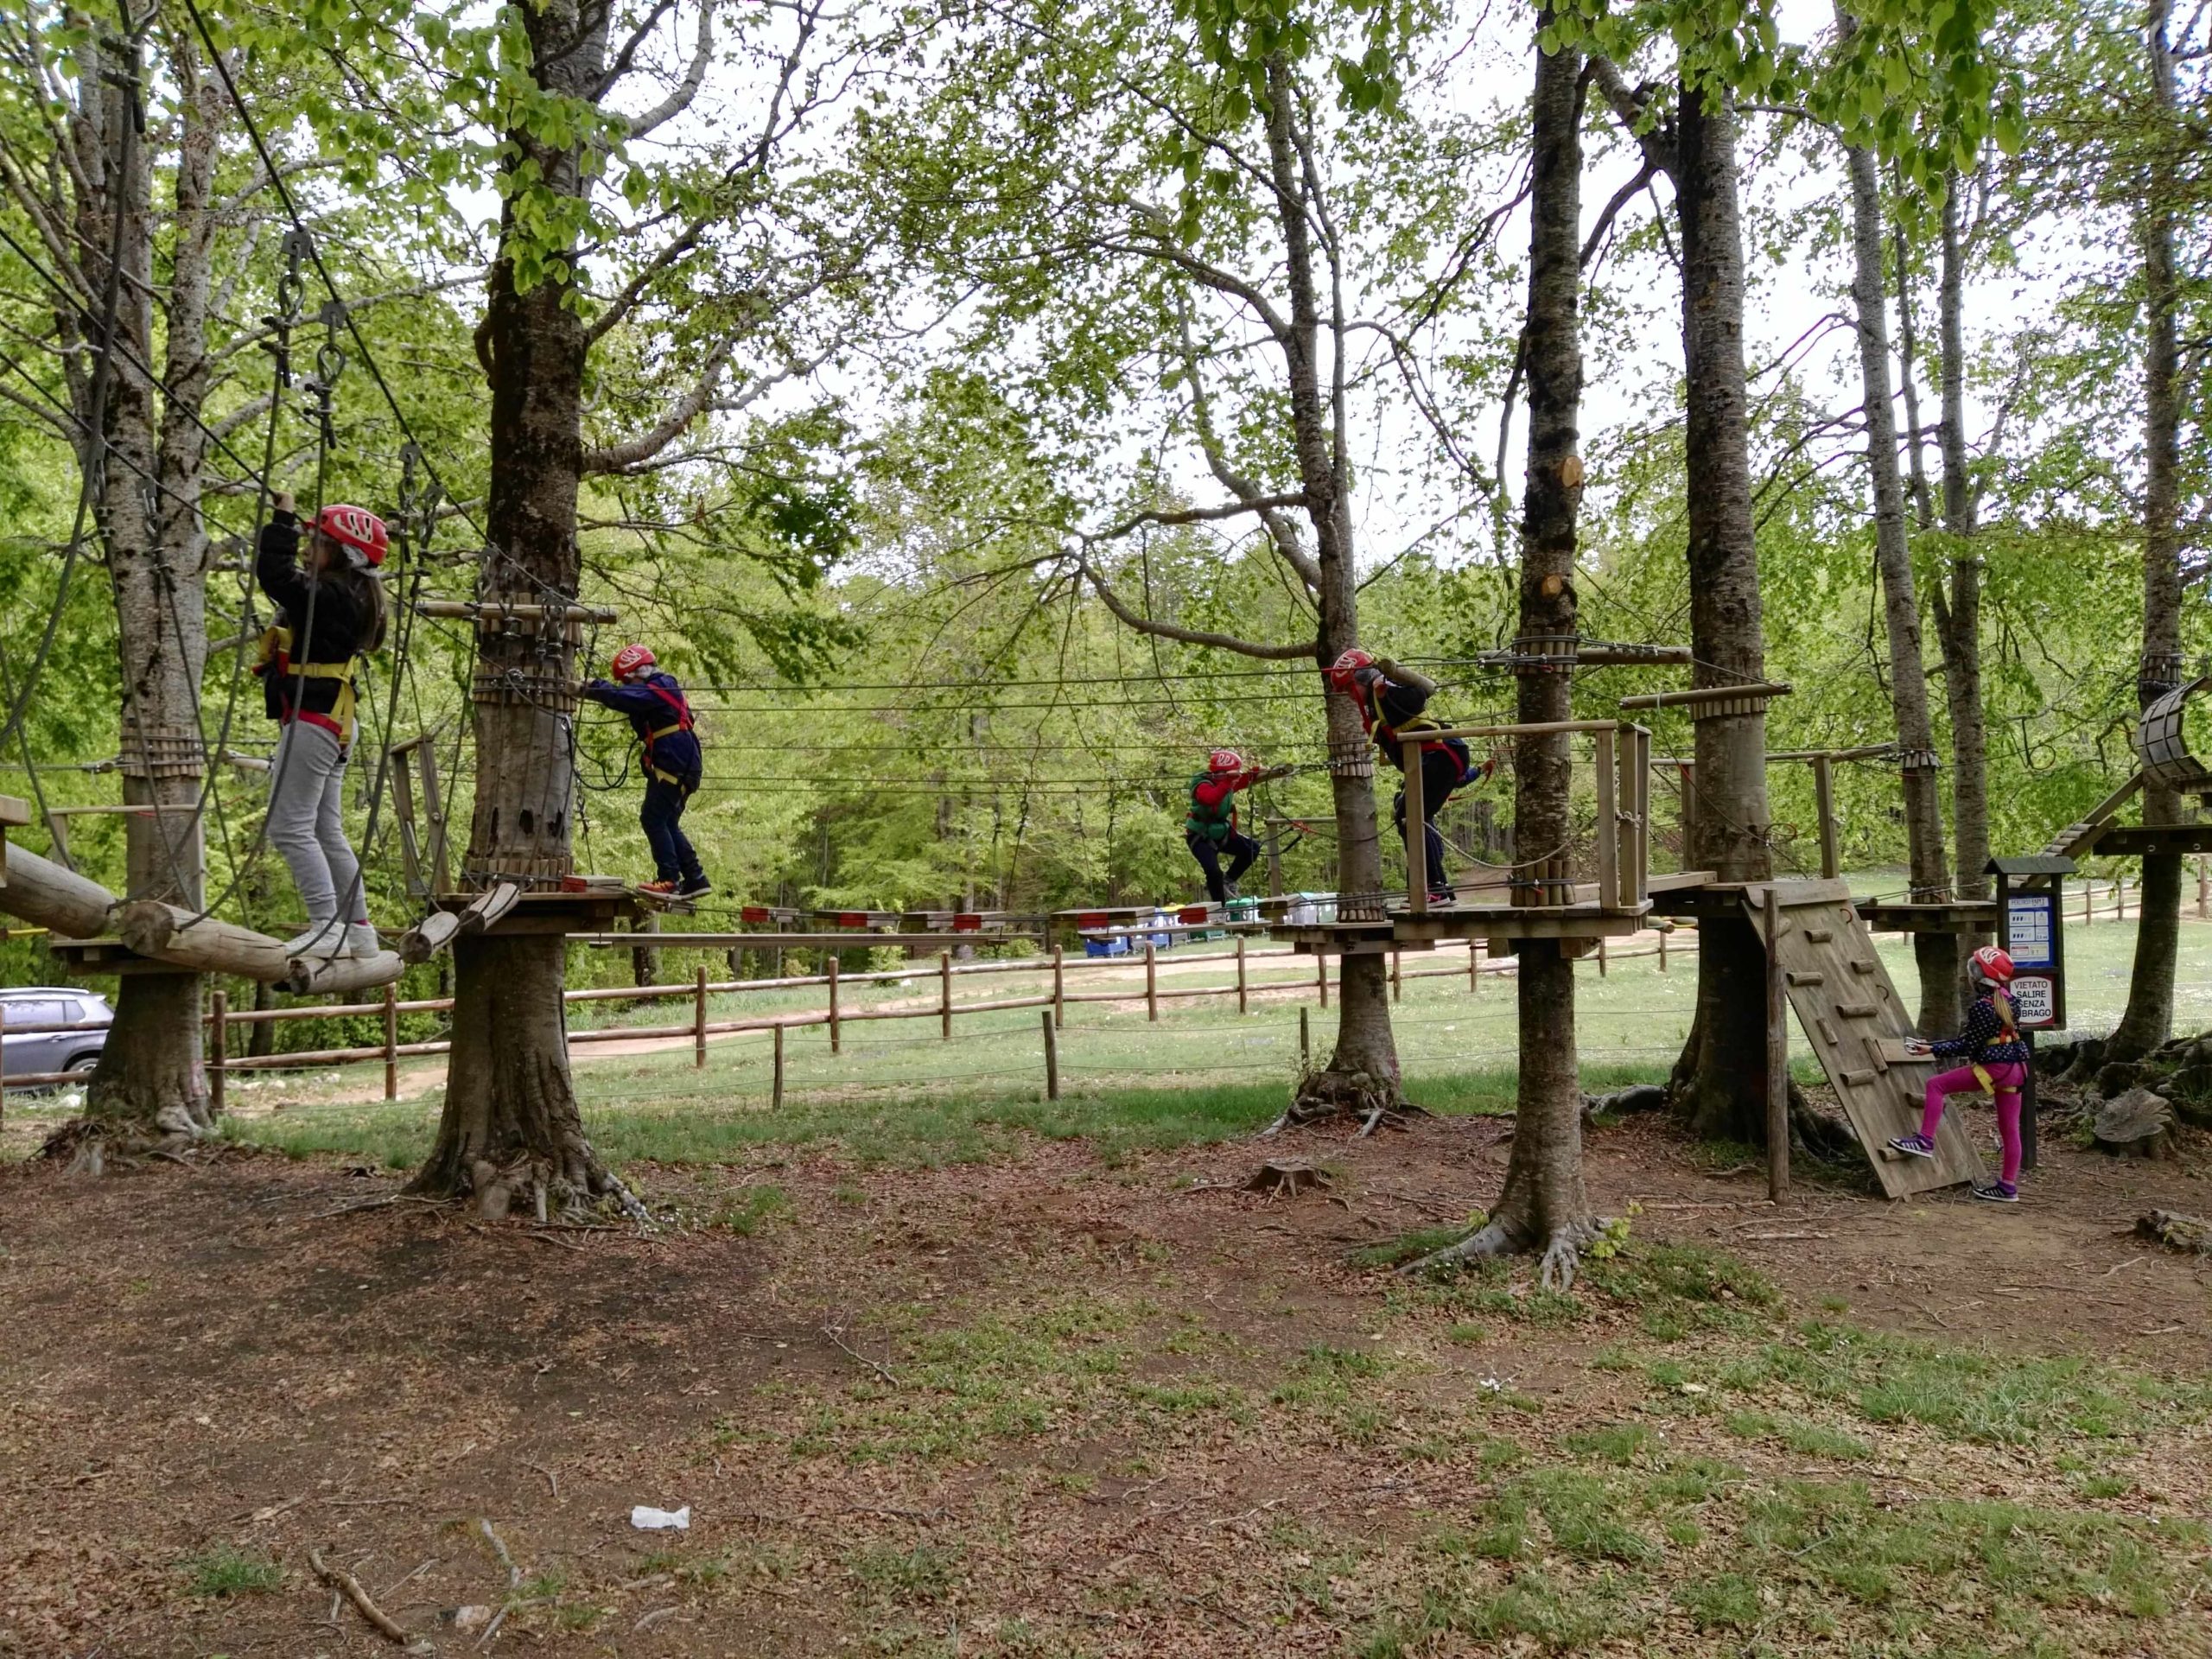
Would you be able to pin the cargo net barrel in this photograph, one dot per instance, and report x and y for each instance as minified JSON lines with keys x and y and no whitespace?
{"x":2175,"y":731}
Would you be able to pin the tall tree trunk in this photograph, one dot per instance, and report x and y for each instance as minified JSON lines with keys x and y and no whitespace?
{"x":510,"y":1130}
{"x":1719,"y":1087}
{"x":2149,"y":1016}
{"x":1958,"y":616}
{"x":149,"y":1086}
{"x":1937,"y":954}
{"x":1363,"y":1071}
{"x":1544,"y":1204}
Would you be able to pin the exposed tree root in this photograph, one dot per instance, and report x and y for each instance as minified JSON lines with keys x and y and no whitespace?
{"x":1373,"y":1101}
{"x":1562,"y":1253}
{"x":95,"y":1146}
{"x":535,"y":1187}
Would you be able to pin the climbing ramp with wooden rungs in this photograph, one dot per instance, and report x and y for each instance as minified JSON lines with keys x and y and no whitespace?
{"x":1857,"y":1024}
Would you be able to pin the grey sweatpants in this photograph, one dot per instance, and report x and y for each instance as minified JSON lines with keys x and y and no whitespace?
{"x":307,"y":824}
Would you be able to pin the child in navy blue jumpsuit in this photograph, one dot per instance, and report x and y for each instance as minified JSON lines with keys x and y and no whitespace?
{"x":672,"y":762}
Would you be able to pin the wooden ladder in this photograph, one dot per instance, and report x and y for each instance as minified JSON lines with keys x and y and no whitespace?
{"x":1845,"y":1004}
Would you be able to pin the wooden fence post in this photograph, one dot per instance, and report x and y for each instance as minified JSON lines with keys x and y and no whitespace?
{"x":1778,"y":1056}
{"x":390,"y":1042}
{"x":776,"y":1092}
{"x":1051,"y":1055}
{"x":836,"y":1045}
{"x":1059,"y":986}
{"x":1244,"y":986}
{"x":1305,"y":1037}
{"x":699,"y":1017}
{"x":1151,"y":981}
{"x":219,"y":1045}
{"x":1321,"y":974}
{"x":1474,"y":967}
{"x":1663,"y":932}
{"x":1601,"y":956}
{"x":2204,"y":889}
{"x":944,"y":996}
{"x":1397,"y":979}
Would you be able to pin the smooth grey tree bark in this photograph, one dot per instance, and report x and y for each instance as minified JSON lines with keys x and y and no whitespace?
{"x":1936,"y":954}
{"x":2149,"y":1017}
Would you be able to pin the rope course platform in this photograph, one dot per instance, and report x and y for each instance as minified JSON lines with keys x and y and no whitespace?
{"x":1928,"y":915}
{"x":506,"y":909}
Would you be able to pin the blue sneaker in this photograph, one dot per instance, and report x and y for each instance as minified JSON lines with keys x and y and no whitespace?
{"x":1913,"y":1146}
{"x":1997,"y":1192}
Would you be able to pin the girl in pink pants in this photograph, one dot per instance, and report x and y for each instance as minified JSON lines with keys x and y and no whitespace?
{"x":1996,"y":1065}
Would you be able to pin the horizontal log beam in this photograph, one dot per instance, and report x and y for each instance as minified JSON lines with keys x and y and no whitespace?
{"x":1696,"y":695}
{"x":210,"y":946}
{"x":46,"y":895}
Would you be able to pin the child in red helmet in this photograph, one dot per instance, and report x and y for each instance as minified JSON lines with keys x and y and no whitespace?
{"x":672,"y":763}
{"x":1996,"y":1064}
{"x":1391,"y":699}
{"x":330,"y":611}
{"x":1209,"y":827}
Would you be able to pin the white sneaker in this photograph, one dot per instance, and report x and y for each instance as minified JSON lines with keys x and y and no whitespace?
{"x":361,"y":939}
{"x":322,"y":940}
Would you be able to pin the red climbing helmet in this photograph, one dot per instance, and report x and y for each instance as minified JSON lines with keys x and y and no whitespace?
{"x":629,"y":660}
{"x":1222,"y":760}
{"x":356,"y":529}
{"x":1991,"y":964}
{"x":1341,"y":671}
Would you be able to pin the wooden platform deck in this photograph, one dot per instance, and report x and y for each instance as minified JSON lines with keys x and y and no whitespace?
{"x":594,"y":909}
{"x":1947,"y":915}
{"x":83,"y":958}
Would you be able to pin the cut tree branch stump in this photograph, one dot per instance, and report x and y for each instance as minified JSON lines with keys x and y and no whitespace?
{"x":2192,"y":1234}
{"x":1284,"y":1179}
{"x":2137,"y":1124}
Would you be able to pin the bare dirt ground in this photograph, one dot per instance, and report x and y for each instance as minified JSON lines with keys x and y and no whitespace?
{"x":1057,"y":1405}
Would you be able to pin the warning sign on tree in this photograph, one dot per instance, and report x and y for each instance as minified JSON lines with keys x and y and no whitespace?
{"x":2035,"y":1002}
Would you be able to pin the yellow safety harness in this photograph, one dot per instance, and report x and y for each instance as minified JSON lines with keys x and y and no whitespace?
{"x":2007,"y":1032}
{"x":273,"y":663}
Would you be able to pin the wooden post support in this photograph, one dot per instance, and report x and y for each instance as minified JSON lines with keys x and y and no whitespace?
{"x":219,"y":1045}
{"x":1601,"y":957}
{"x":1274,"y":861}
{"x":1321,"y":974}
{"x":2119,"y":898}
{"x":1051,"y":1055}
{"x":1474,"y":966}
{"x":1059,"y":986}
{"x":1397,"y":975}
{"x":1243,"y":985}
{"x":1664,"y":933}
{"x":776,"y":1088}
{"x":392,"y":1042}
{"x":1151,"y":981}
{"x":1608,"y":827}
{"x":944,"y":994}
{"x":1778,"y":1056}
{"x":836,"y":1044}
{"x":699,"y":1017}
{"x":1305,"y":1037}
{"x":1824,"y":805}
{"x":2203,"y":890}
{"x":1416,"y":838}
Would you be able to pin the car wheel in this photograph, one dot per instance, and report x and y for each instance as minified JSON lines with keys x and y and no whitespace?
{"x":82,"y":1064}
